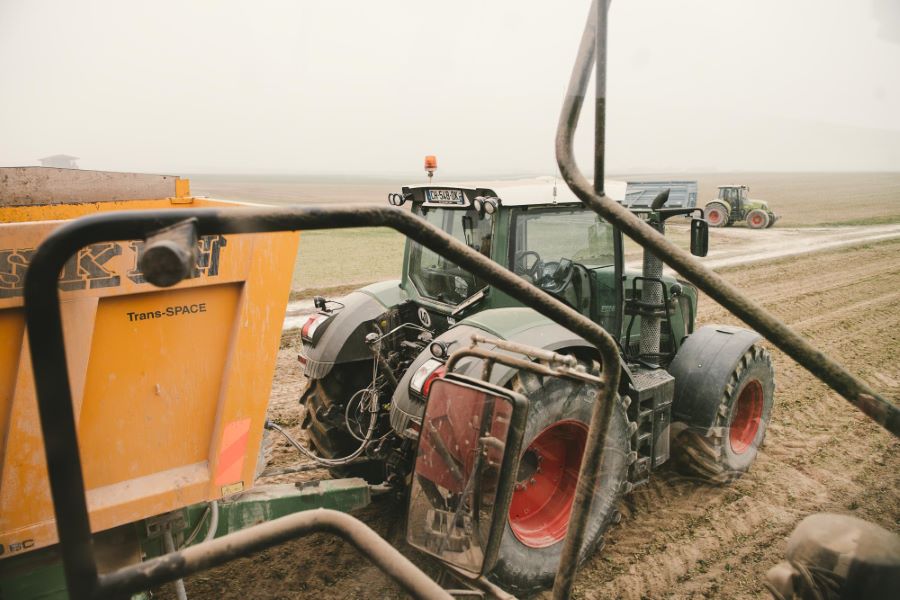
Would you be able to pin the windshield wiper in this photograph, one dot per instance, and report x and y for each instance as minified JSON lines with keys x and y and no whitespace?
{"x":473,"y":299}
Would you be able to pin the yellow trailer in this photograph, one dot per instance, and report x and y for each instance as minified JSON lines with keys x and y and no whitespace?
{"x":170,"y":387}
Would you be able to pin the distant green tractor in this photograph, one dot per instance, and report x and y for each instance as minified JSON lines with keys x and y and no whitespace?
{"x":733,"y":204}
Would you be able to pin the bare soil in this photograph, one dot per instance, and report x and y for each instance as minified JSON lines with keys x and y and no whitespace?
{"x":680,"y":538}
{"x":807,"y":199}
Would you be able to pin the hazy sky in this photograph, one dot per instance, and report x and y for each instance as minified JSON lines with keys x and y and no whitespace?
{"x":369,"y":87}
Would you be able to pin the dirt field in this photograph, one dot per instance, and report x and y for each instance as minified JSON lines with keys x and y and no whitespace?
{"x":680,"y":538}
{"x":802,"y":199}
{"x":809,"y":199}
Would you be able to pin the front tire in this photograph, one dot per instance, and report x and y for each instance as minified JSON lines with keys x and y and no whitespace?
{"x":731,"y":445}
{"x":555,"y":435}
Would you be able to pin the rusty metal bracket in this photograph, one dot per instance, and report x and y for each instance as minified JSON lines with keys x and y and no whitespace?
{"x":548,"y":363}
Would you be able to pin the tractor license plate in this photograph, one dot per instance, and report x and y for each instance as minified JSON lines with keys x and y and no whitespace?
{"x":446,"y":197}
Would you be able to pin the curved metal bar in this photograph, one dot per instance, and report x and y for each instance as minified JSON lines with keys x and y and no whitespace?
{"x":491,"y":356}
{"x":790,"y":342}
{"x":592,"y":50}
{"x":207,"y":555}
{"x":45,"y":332}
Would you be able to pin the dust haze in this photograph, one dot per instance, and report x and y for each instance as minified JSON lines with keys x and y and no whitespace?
{"x":366,"y":88}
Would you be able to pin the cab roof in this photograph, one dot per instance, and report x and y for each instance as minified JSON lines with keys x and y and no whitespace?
{"x":544,"y":190}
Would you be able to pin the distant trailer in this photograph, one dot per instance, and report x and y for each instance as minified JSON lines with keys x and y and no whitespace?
{"x":682,"y":194}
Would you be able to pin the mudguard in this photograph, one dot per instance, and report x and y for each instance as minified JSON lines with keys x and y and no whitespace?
{"x":520,"y":325}
{"x":702,"y":368}
{"x":343,"y":338}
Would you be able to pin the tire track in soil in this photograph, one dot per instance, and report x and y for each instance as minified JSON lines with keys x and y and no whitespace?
{"x":684,"y":539}
{"x":678,"y":538}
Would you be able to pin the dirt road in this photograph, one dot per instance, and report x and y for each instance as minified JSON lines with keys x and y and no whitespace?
{"x":680,"y":538}
{"x":728,"y":247}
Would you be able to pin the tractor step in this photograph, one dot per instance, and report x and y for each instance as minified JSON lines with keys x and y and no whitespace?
{"x":651,"y":393}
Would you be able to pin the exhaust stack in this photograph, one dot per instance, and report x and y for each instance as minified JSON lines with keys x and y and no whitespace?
{"x":651,"y":291}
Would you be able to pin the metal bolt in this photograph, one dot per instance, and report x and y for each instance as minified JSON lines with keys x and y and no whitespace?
{"x":532,"y":481}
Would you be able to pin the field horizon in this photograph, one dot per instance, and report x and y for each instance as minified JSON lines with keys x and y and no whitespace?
{"x":339,"y":259}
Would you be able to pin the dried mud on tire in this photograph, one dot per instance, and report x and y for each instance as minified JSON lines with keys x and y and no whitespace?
{"x":681,"y":538}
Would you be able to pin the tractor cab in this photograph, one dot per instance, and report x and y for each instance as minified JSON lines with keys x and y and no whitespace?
{"x":735,"y":195}
{"x":544,"y":235}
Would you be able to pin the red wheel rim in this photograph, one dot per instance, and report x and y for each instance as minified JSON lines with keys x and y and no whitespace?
{"x":757,"y":219}
{"x":714,"y":216}
{"x":545,"y":484}
{"x":747,"y":417}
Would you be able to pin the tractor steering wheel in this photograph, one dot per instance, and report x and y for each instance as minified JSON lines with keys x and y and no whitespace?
{"x":520,"y":265}
{"x":557,"y":275}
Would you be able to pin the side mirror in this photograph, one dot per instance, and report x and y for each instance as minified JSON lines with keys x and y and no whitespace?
{"x":465,"y":471}
{"x":699,"y":237}
{"x":396,"y":199}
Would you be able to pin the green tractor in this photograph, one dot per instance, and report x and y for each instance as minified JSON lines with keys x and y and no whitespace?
{"x":704,"y":395}
{"x":733,"y":204}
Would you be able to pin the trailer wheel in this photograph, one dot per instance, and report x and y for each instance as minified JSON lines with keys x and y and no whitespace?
{"x":758,"y":219}
{"x":731,"y":446}
{"x":324,"y":425}
{"x":717,"y":214}
{"x":555,"y":437}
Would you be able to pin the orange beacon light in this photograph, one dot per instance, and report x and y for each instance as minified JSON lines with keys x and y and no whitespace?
{"x":430,"y":165}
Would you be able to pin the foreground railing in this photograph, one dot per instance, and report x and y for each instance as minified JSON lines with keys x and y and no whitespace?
{"x":592,"y":52}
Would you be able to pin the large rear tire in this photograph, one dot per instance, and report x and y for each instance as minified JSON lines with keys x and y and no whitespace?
{"x":732,"y":443}
{"x":717,"y":214}
{"x":325,"y":401}
{"x":555,"y":435}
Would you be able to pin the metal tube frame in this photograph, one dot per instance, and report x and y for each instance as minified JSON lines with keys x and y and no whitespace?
{"x":51,"y":377}
{"x":176,"y":565}
{"x":46,"y":340}
{"x":592,"y":52}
